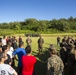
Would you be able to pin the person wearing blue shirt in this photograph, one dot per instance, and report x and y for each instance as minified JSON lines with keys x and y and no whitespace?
{"x":20,"y":52}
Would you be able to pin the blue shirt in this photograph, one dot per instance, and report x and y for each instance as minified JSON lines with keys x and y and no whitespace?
{"x":20,"y":52}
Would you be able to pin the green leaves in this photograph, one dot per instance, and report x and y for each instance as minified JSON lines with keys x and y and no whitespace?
{"x":32,"y":24}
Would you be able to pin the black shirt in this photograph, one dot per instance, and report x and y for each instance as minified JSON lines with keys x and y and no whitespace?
{"x":8,"y":60}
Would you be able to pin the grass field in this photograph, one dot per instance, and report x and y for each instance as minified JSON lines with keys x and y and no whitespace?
{"x":40,"y":67}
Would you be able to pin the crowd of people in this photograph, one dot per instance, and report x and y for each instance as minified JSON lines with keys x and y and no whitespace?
{"x":67,"y":53}
{"x":62,"y":62}
{"x":10,"y":47}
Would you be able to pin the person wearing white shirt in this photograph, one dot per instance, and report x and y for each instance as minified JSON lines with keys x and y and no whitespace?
{"x":5,"y":69}
{"x":10,"y":51}
{"x":4,"y":41}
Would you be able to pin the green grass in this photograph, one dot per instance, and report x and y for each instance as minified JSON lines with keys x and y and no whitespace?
{"x":44,"y":33}
{"x":40,"y":67}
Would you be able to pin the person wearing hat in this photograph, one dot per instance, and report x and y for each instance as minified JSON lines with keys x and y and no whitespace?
{"x":54,"y":63}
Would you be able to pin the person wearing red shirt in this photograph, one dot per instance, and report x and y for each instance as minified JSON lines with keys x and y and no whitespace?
{"x":28,"y":62}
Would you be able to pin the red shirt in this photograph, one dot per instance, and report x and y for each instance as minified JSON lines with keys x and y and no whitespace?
{"x":28,"y":64}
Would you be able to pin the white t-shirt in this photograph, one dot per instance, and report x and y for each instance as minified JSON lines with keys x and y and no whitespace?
{"x":10,"y":52}
{"x":3,"y":42}
{"x":6,"y":69}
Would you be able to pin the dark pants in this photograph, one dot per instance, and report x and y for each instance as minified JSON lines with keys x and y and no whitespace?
{"x":40,"y":48}
{"x":19,"y":70}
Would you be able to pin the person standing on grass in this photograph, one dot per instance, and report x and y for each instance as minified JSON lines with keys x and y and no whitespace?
{"x":5,"y":69}
{"x":20,"y":52}
{"x":20,"y":40}
{"x":28,"y":62}
{"x":40,"y":44}
{"x":14,"y":44}
{"x":54,"y":63}
{"x":28,"y":41}
{"x":10,"y":52}
{"x":58,"y":41}
{"x":4,"y":41}
{"x":7,"y":58}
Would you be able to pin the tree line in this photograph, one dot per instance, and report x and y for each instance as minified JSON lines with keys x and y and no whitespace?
{"x":42,"y":25}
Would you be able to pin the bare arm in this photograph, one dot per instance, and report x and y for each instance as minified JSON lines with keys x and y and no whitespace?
{"x":15,"y":73}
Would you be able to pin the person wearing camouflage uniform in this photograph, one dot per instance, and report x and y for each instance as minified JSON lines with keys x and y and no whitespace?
{"x":40,"y":44}
{"x":54,"y":63}
{"x":58,"y":40}
{"x":71,"y":63}
{"x":28,"y":41}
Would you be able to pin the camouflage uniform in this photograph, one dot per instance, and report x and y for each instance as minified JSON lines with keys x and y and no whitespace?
{"x":58,"y":40}
{"x":40,"y":44}
{"x":71,"y":63}
{"x":54,"y":65}
{"x":28,"y":41}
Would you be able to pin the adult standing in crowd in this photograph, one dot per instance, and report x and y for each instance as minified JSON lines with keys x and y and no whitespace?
{"x":5,"y":69}
{"x":20,"y":52}
{"x":64,"y":55}
{"x":58,"y":40}
{"x":54,"y":64}
{"x":71,"y":62}
{"x":4,"y":41}
{"x":28,"y":41}
{"x":7,"y":58}
{"x":14,"y":44}
{"x":40,"y":44}
{"x":28,"y":62}
{"x":19,"y":40}
{"x":10,"y":51}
